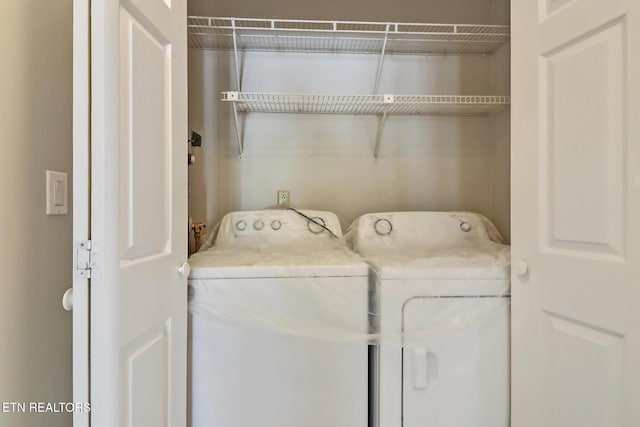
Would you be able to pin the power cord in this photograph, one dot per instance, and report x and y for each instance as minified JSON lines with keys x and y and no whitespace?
{"x":314,"y":221}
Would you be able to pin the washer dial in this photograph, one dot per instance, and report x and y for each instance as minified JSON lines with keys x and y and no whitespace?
{"x":382,"y":227}
{"x":258,"y":224}
{"x":241,"y":225}
{"x":465,"y":226}
{"x":315,"y":227}
{"x":276,"y":224}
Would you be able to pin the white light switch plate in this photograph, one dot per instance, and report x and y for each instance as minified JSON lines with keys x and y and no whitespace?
{"x":57,"y":193}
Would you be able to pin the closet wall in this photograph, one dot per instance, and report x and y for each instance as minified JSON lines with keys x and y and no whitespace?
{"x":501,"y":129}
{"x":326,"y":161}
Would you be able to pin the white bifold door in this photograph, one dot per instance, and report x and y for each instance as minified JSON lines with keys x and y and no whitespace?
{"x":576,"y":213}
{"x":136,"y":114}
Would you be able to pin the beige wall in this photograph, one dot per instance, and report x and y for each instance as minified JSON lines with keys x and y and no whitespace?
{"x":425,"y":163}
{"x":35,"y":250}
{"x":501,"y":129}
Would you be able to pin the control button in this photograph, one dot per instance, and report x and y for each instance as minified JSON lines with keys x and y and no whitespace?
{"x":241,"y":225}
{"x":317,"y":225}
{"x":276,"y":224}
{"x":258,"y":224}
{"x":382,"y":227}
{"x":465,"y":226}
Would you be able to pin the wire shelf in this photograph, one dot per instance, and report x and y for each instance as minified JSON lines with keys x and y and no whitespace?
{"x":477,"y":105}
{"x":344,"y":36}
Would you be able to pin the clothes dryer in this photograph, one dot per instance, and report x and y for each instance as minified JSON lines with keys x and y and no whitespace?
{"x":440,"y":305}
{"x":278,"y":309}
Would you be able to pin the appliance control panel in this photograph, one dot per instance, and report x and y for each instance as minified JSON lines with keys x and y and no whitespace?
{"x":420,"y":230}
{"x":280,"y":224}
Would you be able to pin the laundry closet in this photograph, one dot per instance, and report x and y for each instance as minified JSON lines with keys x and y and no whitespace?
{"x":352,"y":116}
{"x":450,"y":154}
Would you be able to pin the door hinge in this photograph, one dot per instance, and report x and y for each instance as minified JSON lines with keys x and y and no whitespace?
{"x":85,"y":259}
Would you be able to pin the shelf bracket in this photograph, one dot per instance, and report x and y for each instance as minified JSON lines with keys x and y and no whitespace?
{"x":388,"y":100}
{"x":235,"y":54}
{"x":380,"y":62}
{"x":237,"y":124}
{"x":234,"y":97}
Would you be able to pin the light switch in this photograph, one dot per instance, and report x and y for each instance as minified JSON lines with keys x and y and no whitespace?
{"x":57,"y":193}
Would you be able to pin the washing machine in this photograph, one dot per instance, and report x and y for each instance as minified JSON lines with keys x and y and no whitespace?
{"x":440,"y":306}
{"x":278,"y":309}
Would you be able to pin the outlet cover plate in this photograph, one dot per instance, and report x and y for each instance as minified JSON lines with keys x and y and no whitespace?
{"x":283,"y":197}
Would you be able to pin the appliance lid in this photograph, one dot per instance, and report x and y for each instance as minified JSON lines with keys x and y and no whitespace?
{"x":276,"y":262}
{"x":489,"y":261}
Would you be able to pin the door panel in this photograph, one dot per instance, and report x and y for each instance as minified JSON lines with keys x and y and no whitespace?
{"x":139,"y":209}
{"x":147,"y":374}
{"x":575,"y":324}
{"x":600,"y":353}
{"x":582,"y":169}
{"x":145,"y":139}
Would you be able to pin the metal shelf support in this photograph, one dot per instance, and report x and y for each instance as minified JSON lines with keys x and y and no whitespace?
{"x":233,"y":96}
{"x":387,"y":101}
{"x":235,"y":54}
{"x":379,"y":71}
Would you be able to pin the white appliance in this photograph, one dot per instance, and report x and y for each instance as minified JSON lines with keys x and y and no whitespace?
{"x":441,"y":308}
{"x":273,"y":305}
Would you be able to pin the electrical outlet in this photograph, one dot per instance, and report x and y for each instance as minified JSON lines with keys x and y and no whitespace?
{"x":283,"y":197}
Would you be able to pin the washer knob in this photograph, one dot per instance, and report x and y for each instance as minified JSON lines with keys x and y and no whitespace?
{"x":382,"y":227}
{"x":241,"y":225}
{"x":317,"y":225}
{"x":258,"y":224}
{"x":276,"y":224}
{"x":465,"y":226}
